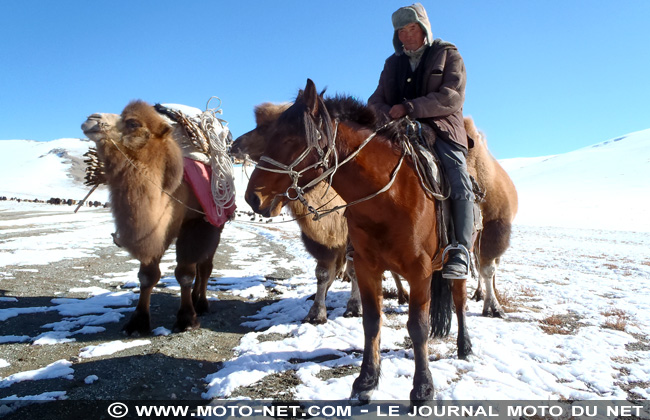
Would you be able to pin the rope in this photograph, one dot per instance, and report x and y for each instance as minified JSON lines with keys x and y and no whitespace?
{"x":223,"y":180}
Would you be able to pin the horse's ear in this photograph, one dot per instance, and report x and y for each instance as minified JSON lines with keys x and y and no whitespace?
{"x":310,"y":97}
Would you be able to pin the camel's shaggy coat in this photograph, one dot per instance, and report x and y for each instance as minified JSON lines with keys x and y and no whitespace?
{"x":152,"y":206}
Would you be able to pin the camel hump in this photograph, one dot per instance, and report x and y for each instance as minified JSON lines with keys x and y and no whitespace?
{"x":472,"y":131}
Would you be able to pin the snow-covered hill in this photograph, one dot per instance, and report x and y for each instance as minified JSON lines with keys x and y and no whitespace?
{"x":42,"y":170}
{"x":604,"y":186}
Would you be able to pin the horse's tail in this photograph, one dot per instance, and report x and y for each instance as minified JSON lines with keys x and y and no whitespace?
{"x":441,"y":305}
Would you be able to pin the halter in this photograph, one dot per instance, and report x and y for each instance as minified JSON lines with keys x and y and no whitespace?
{"x":329,"y":172}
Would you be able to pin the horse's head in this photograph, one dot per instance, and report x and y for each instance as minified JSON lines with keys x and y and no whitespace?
{"x":297,"y":149}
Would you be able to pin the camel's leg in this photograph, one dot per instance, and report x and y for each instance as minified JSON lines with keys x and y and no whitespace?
{"x":140,"y":321}
{"x":200,"y":290}
{"x":402,"y":294}
{"x":479,"y":293}
{"x":459,"y":293}
{"x":186,"y":317}
{"x":418,"y":328}
{"x":491,"y":305}
{"x":196,"y":245}
{"x":370,"y":288}
{"x":325,"y":273}
{"x":353,"y":308}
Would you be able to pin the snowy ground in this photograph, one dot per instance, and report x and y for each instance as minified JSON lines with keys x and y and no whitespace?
{"x":579,"y":302}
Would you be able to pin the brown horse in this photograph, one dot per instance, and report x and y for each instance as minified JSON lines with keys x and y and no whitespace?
{"x":152,"y":205}
{"x":499,"y":208}
{"x":391,"y":220}
{"x":326,"y":238}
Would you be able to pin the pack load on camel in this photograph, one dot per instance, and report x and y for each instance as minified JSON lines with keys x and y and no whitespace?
{"x":170,"y":178}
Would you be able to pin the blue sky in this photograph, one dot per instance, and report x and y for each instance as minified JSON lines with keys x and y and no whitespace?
{"x":544,"y":76}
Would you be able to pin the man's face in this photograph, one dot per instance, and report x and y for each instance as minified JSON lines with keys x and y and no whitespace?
{"x":412,"y":36}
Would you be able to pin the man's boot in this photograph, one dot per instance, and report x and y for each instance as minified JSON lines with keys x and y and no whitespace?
{"x":457,"y":266}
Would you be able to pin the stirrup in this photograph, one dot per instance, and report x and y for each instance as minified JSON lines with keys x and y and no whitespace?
{"x":457,"y":247}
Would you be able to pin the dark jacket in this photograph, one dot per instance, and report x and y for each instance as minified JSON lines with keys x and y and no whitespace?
{"x":438,"y":95}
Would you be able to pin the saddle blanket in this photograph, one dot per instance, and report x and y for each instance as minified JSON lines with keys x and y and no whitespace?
{"x":198,"y":175}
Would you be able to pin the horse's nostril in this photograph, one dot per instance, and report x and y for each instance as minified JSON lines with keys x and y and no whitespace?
{"x":254,"y":201}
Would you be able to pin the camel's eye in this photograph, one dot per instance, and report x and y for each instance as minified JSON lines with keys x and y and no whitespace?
{"x":132,"y":124}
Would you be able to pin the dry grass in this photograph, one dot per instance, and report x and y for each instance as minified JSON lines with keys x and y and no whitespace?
{"x":527,"y":291}
{"x":560,"y":324}
{"x":616,"y":319}
{"x":507,"y":301}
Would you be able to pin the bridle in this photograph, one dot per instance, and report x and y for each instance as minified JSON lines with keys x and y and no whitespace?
{"x":295,"y":192}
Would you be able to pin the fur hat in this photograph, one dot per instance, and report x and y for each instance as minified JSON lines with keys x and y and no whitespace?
{"x":414,"y":13}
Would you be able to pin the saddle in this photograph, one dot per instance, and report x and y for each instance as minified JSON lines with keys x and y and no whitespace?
{"x":421,"y":138}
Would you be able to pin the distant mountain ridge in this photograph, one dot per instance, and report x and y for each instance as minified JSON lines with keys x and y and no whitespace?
{"x":603,"y":186}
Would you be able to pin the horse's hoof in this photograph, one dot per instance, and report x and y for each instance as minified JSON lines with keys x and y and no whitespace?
{"x":421,"y":394}
{"x":464,"y":351}
{"x":360,"y":398}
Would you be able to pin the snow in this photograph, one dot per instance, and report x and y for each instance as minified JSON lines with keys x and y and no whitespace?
{"x":604,"y":186}
{"x":58,"y":369}
{"x":109,"y":348}
{"x":580,"y":251}
{"x":90,"y":379}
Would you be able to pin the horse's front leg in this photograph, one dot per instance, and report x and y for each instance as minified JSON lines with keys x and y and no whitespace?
{"x":418,"y":328}
{"x":459,"y":293}
{"x":370,"y":288}
{"x":186,"y":317}
{"x":140,"y":321}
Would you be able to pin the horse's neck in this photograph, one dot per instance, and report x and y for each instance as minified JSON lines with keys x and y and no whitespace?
{"x":369,"y":170}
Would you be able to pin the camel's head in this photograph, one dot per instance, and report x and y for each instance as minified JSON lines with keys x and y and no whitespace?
{"x":139,"y":123}
{"x":99,"y":127}
{"x":133,"y":129}
{"x":254,"y":142}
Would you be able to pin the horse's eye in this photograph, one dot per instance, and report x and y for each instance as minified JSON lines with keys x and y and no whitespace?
{"x":132,"y":124}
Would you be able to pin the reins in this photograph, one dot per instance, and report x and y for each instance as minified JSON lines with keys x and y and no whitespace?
{"x":329,"y":172}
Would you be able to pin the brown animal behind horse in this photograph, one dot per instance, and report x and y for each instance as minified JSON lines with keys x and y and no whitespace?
{"x":499,"y":209}
{"x":152,"y":205}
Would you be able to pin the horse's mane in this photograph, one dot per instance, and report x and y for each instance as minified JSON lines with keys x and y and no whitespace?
{"x":348,"y":108}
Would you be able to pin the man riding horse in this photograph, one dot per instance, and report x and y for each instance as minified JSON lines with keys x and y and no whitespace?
{"x":425,"y":80}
